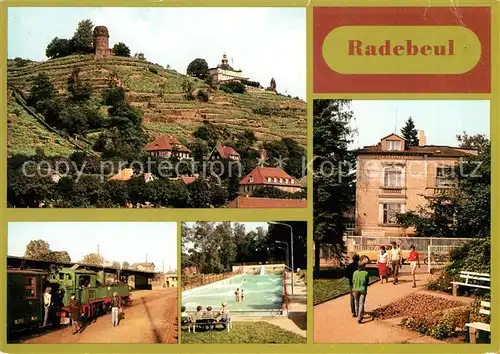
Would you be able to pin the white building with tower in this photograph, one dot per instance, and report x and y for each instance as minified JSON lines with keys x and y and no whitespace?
{"x":225,"y":72}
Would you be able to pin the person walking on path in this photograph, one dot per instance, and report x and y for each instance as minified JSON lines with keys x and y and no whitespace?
{"x":414,"y":259}
{"x":396,"y":261}
{"x":382,"y":265}
{"x":116,"y":304}
{"x":349,"y":271}
{"x":47,"y":301}
{"x":74,"y":308}
{"x":360,"y":289}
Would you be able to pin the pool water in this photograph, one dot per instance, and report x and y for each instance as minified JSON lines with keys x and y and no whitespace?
{"x":262,"y":293}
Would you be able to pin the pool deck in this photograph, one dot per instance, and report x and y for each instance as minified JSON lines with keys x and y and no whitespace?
{"x":296,"y":321}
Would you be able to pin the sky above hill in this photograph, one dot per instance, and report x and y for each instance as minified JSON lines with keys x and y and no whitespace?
{"x":441,"y":121}
{"x":118,"y":241}
{"x":263,"y":42}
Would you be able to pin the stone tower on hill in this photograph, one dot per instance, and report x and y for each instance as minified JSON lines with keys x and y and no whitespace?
{"x":101,"y":43}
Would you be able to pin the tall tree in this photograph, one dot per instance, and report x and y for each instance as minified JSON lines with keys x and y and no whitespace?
{"x":410,"y":133}
{"x":464,"y":211}
{"x":198,"y":68}
{"x":38,"y":249}
{"x":60,"y":256}
{"x":125,"y":265}
{"x":93,"y":259}
{"x":42,"y":89}
{"x":78,"y":90}
{"x":334,"y":175}
{"x":83,"y":38}
{"x":58,"y":48}
{"x":120,"y":49}
{"x":272,"y":85}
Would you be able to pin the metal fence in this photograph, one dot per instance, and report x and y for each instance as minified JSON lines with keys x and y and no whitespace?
{"x":437,"y":256}
{"x":368,"y":243}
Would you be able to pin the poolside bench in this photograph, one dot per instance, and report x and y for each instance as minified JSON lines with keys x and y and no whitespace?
{"x":479,"y":280}
{"x":186,"y":322}
{"x":208,"y":322}
{"x":476,"y":327}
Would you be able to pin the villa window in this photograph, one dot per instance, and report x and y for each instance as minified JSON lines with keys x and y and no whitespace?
{"x":394,"y":145}
{"x":445,"y":177}
{"x":251,"y":179}
{"x":393,"y":178}
{"x":269,"y":179}
{"x":281,"y":180}
{"x":390,"y":210}
{"x":275,"y":180}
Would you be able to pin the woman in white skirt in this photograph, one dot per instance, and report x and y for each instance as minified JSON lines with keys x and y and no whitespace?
{"x":414,"y":260}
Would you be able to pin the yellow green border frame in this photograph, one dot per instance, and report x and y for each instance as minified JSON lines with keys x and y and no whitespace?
{"x":254,"y":214}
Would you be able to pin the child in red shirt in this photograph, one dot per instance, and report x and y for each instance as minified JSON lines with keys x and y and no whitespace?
{"x":414,"y":260}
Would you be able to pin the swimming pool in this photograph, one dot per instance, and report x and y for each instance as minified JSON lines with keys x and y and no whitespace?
{"x":263,"y":295}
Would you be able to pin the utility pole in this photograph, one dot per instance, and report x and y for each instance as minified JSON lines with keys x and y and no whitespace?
{"x":146,"y":258}
{"x":98,"y":250}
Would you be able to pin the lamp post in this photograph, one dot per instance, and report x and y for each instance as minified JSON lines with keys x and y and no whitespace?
{"x":287,"y":252}
{"x":291,"y":244}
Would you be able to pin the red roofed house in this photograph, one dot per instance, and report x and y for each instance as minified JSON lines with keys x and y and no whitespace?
{"x":269,"y":177}
{"x":393,"y":177}
{"x":168,"y":146}
{"x":221,"y":152}
{"x":257,"y":203}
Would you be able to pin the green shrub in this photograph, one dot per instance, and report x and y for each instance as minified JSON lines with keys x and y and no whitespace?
{"x":232,"y":87}
{"x":153,"y":70}
{"x":473,"y":256}
{"x":264,"y":109}
{"x":202,"y":96}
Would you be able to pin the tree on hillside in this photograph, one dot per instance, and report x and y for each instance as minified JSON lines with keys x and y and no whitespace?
{"x":139,"y":56}
{"x":93,"y":259}
{"x":272,"y":85}
{"x":198,"y":68}
{"x":410,"y":133}
{"x":464,"y":211}
{"x":286,"y":154}
{"x":78,"y":90}
{"x":60,"y":256}
{"x":38,"y":249}
{"x":58,"y":48}
{"x":82,"y":41}
{"x":333,"y":177}
{"x":120,"y":49}
{"x":42,"y":90}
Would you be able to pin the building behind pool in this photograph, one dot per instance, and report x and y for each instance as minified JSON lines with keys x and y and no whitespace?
{"x":262,"y":286}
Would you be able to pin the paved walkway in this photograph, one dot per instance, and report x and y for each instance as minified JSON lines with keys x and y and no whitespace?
{"x":333,"y":321}
{"x":296,"y":321}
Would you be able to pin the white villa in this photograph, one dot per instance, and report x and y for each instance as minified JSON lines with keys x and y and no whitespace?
{"x":224,"y":72}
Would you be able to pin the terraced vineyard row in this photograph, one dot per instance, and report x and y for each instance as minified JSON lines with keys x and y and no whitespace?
{"x":159,"y":94}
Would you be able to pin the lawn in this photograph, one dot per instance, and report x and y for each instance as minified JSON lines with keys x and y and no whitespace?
{"x":244,"y":332}
{"x":326,"y":289}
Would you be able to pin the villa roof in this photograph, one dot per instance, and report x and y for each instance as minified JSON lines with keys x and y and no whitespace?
{"x":226,"y":151}
{"x":166,"y":143}
{"x":260,"y":175}
{"x":429,"y":150}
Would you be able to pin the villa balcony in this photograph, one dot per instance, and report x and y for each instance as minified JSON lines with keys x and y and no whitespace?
{"x":438,"y":191}
{"x":392,"y":191}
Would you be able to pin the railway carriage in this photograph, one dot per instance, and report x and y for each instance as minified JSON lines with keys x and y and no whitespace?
{"x":25,"y":289}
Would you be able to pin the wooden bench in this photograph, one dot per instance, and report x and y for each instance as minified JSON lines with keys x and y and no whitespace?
{"x":210,"y":322}
{"x":476,"y":327}
{"x":479,"y":280}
